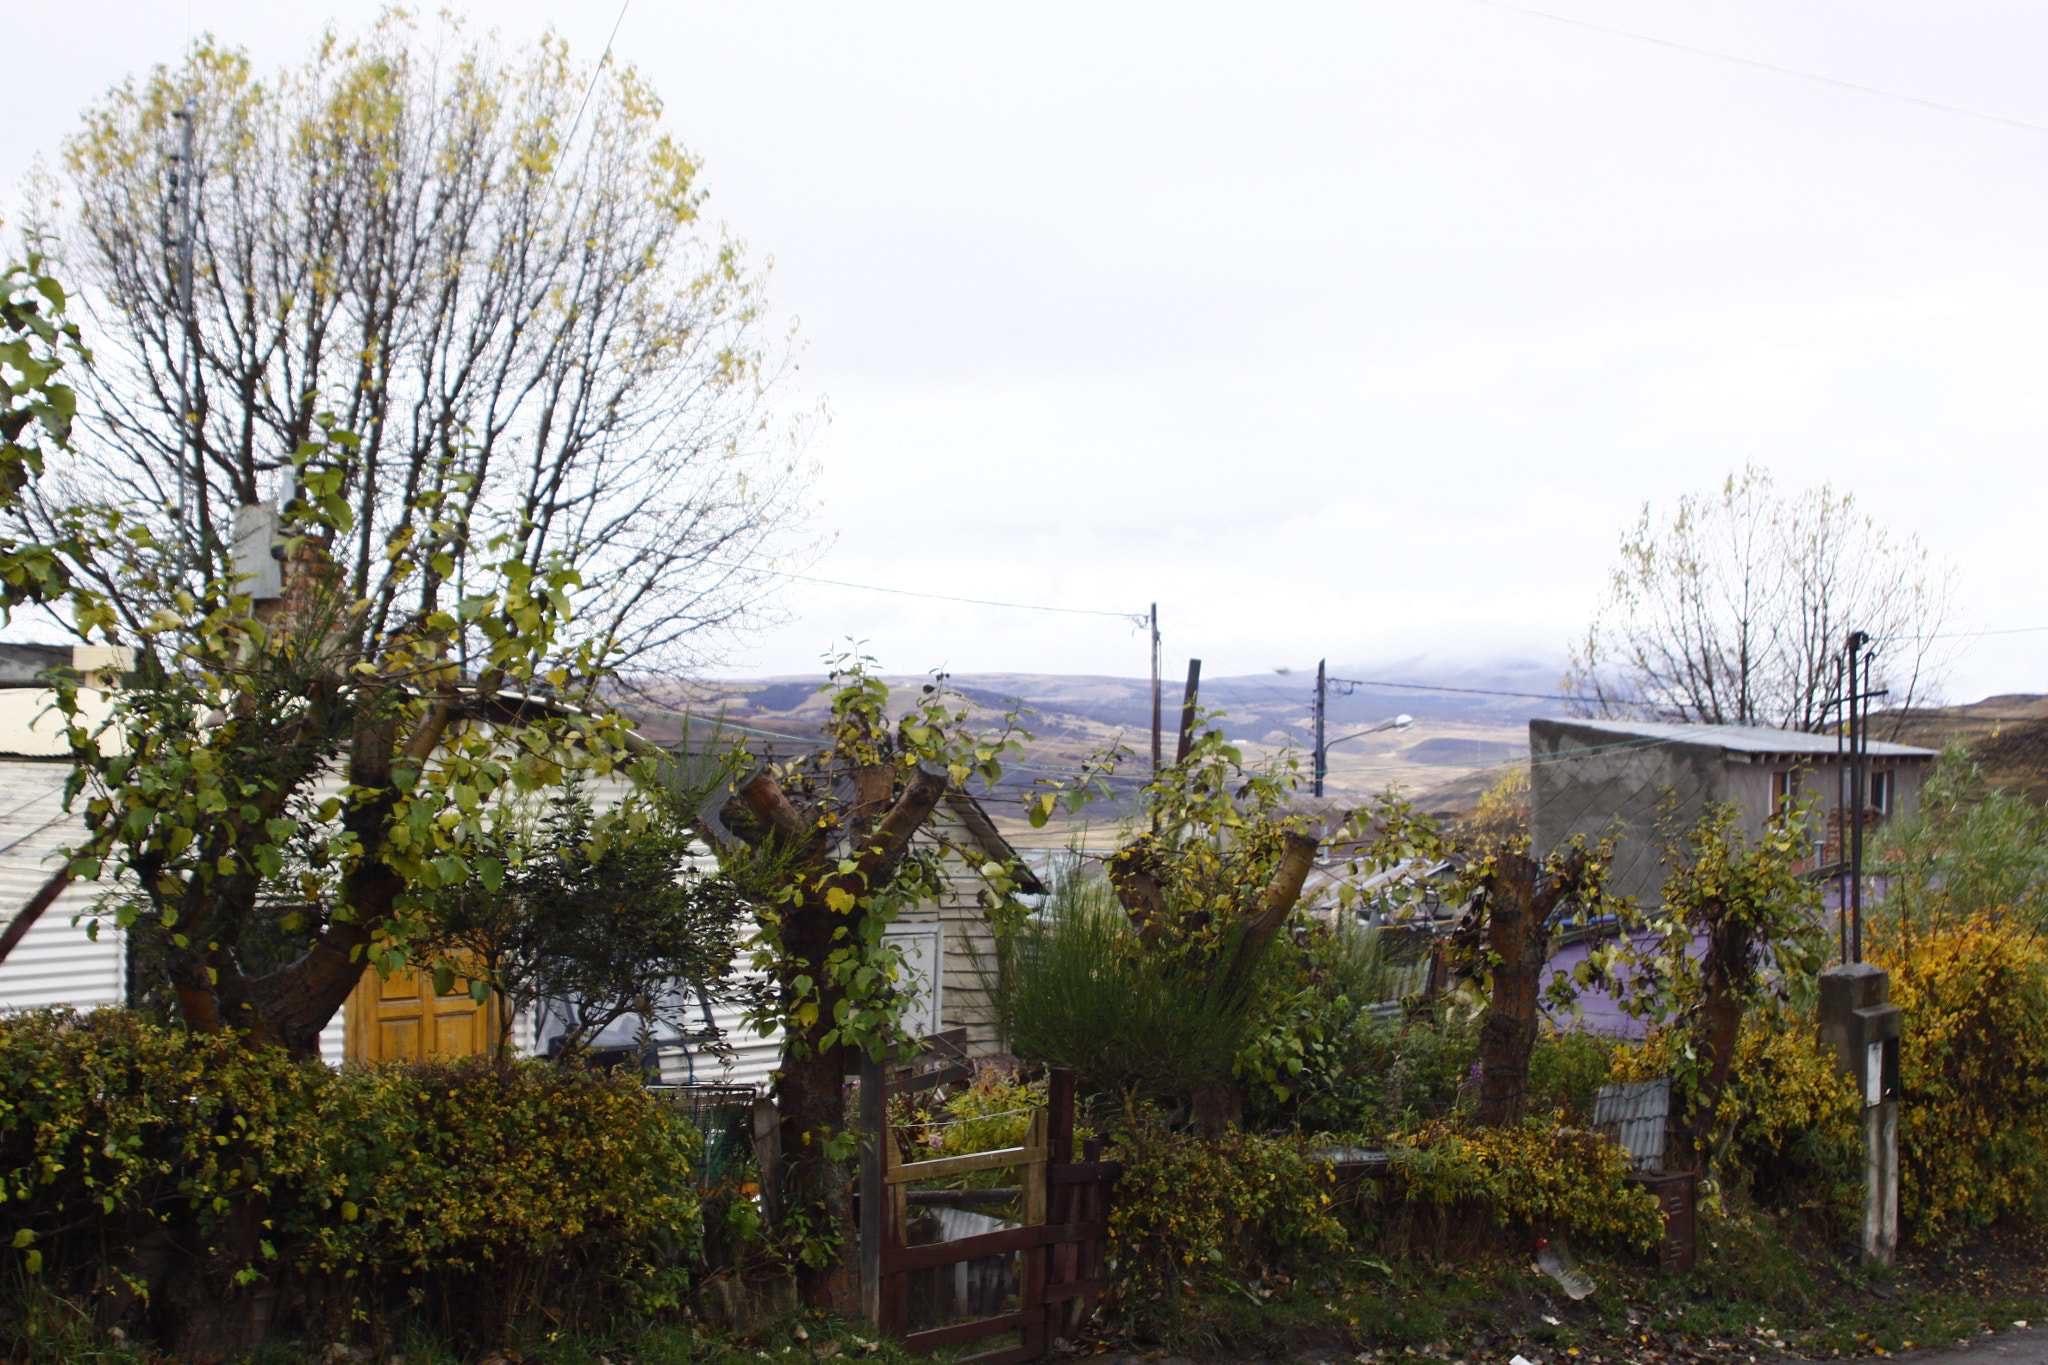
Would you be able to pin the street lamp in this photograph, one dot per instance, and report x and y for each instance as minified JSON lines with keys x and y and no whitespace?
{"x":1322,"y":756}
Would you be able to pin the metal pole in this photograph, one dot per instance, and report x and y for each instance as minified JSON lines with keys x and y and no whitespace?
{"x":181,"y":292}
{"x":1321,"y":763}
{"x":185,"y":219}
{"x":1842,"y":852}
{"x":1858,"y":725}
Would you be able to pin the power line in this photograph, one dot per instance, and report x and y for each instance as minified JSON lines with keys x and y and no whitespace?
{"x":1136,"y":617}
{"x":594,"y":71}
{"x":1769,"y":66}
{"x":1973,"y":634}
{"x":1469,"y":691}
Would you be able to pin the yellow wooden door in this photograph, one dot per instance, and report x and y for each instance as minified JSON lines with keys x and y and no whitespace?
{"x":400,"y":1018}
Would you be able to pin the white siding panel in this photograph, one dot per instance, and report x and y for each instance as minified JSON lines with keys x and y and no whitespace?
{"x":58,"y":962}
{"x":334,"y":1039}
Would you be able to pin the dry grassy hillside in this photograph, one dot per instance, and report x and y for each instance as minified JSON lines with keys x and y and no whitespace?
{"x":1454,"y":743}
{"x":2006,"y":735}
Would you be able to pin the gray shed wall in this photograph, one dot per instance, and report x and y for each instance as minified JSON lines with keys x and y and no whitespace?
{"x":1599,"y":785}
{"x":1588,"y":781}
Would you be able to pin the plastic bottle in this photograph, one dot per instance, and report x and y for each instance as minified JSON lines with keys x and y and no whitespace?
{"x":1554,"y":1259}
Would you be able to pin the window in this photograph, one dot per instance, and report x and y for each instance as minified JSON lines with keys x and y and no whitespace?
{"x":1781,"y":792}
{"x":1881,"y":793}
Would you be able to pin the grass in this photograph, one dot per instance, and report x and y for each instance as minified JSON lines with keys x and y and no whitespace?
{"x":1760,"y":1291}
{"x":1755,"y":1294}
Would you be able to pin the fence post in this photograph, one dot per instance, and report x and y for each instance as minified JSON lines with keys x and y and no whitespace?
{"x":873,"y":1133}
{"x":768,"y":1156}
{"x":1063,"y":1260}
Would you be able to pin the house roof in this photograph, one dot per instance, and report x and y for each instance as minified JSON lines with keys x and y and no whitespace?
{"x":1740,"y":739}
{"x":991,"y":840}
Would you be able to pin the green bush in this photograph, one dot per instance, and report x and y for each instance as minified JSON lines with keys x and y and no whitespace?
{"x":1193,"y":1215}
{"x":130,"y":1153}
{"x":1566,"y":1070}
{"x":1536,"y":1175}
{"x":1075,"y":986}
{"x":1973,"y":1066}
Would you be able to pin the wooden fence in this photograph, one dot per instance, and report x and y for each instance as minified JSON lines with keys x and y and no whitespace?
{"x":1061,"y":1237}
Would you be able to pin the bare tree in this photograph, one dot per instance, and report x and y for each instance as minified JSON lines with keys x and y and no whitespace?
{"x":1732,"y":610}
{"x":489,"y":266}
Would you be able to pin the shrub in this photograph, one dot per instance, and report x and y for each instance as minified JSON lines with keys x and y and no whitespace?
{"x":131,"y":1153}
{"x":1965,"y":851}
{"x":1303,"y":1063}
{"x":1077,"y":987}
{"x":1192,"y":1213}
{"x":1785,"y":1130}
{"x":1973,"y":1065}
{"x":1537,"y":1174}
{"x":1566,"y":1070}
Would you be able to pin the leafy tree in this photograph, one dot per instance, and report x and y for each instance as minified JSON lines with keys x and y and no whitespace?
{"x":490,"y":266}
{"x":1756,"y":917}
{"x":1519,"y":902}
{"x":289,"y":776}
{"x":831,"y":847}
{"x":1965,"y":852}
{"x":1732,"y":610}
{"x":38,"y":342}
{"x":299,"y":779}
{"x":594,"y":928}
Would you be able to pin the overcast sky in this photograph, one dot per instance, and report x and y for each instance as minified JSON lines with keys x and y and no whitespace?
{"x":1357,"y":329}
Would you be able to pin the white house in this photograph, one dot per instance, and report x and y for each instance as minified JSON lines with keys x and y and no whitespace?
{"x":68,"y":958}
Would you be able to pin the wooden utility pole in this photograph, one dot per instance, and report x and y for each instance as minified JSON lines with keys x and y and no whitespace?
{"x":1321,"y":762}
{"x":1187,"y":711}
{"x":1155,"y":690}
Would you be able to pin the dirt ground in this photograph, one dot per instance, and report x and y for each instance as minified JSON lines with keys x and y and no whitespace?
{"x":2010,"y":1347}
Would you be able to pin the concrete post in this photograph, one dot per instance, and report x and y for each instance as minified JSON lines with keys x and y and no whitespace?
{"x":1860,"y":1026}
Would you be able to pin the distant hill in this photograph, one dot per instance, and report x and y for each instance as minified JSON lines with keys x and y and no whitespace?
{"x":1464,"y":732}
{"x":2007,"y":736}
{"x":1453,"y":734}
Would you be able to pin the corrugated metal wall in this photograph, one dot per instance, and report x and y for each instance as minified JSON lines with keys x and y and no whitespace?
{"x":58,"y":963}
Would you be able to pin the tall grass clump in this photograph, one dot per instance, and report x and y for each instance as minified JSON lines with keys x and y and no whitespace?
{"x":1075,"y":986}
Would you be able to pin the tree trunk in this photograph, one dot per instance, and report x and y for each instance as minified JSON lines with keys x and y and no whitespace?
{"x":1521,"y":896}
{"x":810,"y":1098}
{"x":1508,"y":1034}
{"x":810,"y":1092}
{"x":1719,"y":1028}
{"x":204,"y":1317}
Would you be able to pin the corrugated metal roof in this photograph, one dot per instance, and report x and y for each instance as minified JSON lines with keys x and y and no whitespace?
{"x":1749,"y":739}
{"x":1634,"y":1115}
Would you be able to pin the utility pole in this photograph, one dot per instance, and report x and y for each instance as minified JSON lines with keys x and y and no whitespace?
{"x":1187,"y":712}
{"x":1321,"y":762}
{"x":1859,"y":763}
{"x":1858,"y":1022}
{"x":1155,"y":690}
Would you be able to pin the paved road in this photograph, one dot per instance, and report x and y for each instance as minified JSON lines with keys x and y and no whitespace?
{"x":2014,"y":1346}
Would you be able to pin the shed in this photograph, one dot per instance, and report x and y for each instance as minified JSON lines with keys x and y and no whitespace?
{"x":1622,"y":779}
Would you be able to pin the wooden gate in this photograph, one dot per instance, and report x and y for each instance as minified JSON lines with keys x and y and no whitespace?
{"x":1062,"y":1236}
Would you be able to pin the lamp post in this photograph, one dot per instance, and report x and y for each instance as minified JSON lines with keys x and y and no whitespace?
{"x":1322,"y":757}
